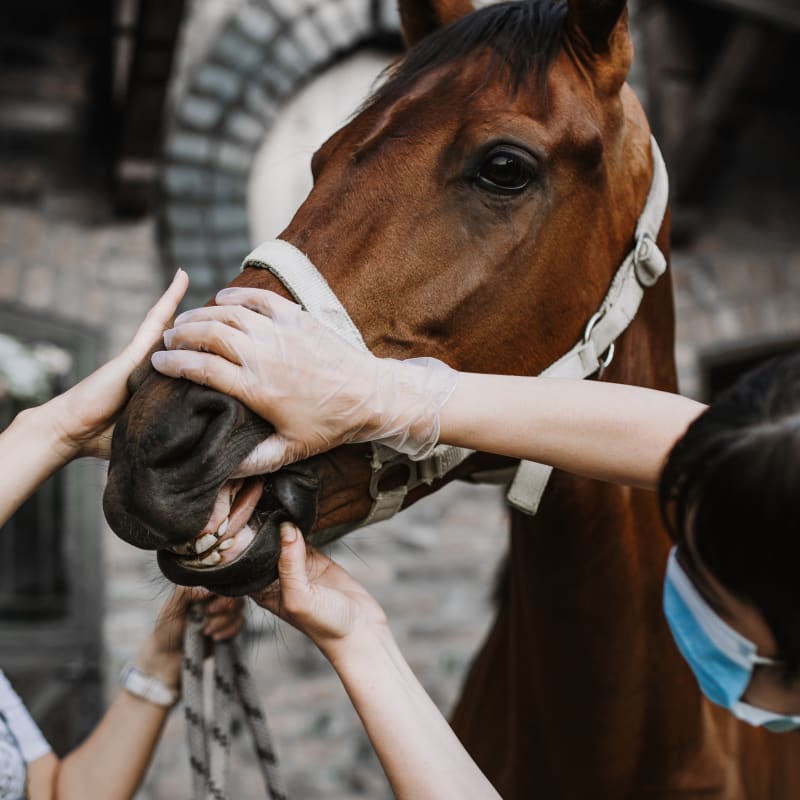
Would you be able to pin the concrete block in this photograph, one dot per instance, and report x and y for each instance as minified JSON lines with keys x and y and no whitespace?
{"x":245,"y":127}
{"x":228,"y":218}
{"x":222,"y":82}
{"x":182,"y":218}
{"x":233,"y":249}
{"x":257,"y":23}
{"x":289,"y":9}
{"x":187,"y":181}
{"x":259,"y":100}
{"x":227,"y":187}
{"x":311,"y":42}
{"x":360,"y":13}
{"x":288,"y":55}
{"x":233,"y":157}
{"x":337,"y":25}
{"x":189,"y":146}
{"x":389,"y":16}
{"x":201,"y":112}
{"x":274,"y":77}
{"x":189,"y":250}
{"x":238,"y":51}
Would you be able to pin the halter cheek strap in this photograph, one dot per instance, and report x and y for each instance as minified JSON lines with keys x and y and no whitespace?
{"x":642,"y":267}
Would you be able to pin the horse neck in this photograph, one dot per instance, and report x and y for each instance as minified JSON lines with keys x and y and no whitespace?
{"x":585,"y":576}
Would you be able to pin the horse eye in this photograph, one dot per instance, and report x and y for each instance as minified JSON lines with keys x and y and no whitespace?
{"x":504,"y":172}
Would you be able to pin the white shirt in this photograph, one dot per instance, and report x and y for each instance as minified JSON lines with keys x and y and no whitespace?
{"x":21,"y":742}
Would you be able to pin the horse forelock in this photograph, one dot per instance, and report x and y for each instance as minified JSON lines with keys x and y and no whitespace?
{"x":523,"y":39}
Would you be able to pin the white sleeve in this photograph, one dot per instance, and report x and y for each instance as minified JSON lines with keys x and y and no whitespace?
{"x":29,"y":738}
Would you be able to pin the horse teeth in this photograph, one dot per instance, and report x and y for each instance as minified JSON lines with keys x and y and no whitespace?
{"x":205,"y":541}
{"x":223,"y":529}
{"x":211,"y":560}
{"x":226,"y":545}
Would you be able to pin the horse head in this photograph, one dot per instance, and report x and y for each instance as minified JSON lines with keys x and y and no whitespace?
{"x":474,"y":210}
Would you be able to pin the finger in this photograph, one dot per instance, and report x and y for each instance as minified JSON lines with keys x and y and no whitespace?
{"x":269,"y":456}
{"x":206,"y":369}
{"x":157,"y":319}
{"x":227,"y":632}
{"x":292,"y":568}
{"x":262,"y":301}
{"x":216,"y":606}
{"x":210,"y":337}
{"x":235,"y":316}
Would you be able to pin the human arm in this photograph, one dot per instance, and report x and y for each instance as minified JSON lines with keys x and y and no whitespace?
{"x":318,"y":392}
{"x":418,"y":750}
{"x":113,"y":760}
{"x":78,"y":422}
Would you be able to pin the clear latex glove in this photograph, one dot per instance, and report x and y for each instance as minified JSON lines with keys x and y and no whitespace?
{"x":315,"y":389}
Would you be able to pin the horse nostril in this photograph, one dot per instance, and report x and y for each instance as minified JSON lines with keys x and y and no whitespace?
{"x":196,"y":429}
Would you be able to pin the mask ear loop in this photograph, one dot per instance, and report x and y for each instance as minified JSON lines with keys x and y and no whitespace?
{"x":766,"y":661}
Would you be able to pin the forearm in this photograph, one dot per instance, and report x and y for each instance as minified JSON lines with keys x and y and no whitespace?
{"x":30,"y":452}
{"x":606,"y":431}
{"x":420,"y":754}
{"x":113,"y":760}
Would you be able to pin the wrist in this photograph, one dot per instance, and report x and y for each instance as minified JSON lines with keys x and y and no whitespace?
{"x":164,"y":667}
{"x":359,"y":647}
{"x":49,"y":419}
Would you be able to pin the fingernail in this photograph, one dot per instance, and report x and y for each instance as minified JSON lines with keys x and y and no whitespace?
{"x":288,"y":532}
{"x":157,"y":359}
{"x":227,"y":292}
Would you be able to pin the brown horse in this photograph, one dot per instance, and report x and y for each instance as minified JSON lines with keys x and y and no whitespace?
{"x":476,"y":210}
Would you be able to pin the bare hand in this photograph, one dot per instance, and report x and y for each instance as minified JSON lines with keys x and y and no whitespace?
{"x":318,"y":597}
{"x":83,"y":416}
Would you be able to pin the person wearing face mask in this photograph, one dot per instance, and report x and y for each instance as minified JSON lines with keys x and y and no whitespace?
{"x":113,"y":760}
{"x":728,"y":475}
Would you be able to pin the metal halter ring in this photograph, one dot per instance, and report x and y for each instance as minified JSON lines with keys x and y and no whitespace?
{"x":608,"y":356}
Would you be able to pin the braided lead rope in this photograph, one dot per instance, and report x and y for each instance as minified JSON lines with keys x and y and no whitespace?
{"x":209,"y":744}
{"x":256,"y":721}
{"x":193,"y":703}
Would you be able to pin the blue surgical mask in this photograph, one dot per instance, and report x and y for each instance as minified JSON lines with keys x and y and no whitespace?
{"x":721,"y":658}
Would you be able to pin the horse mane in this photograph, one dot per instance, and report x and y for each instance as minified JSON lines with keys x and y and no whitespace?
{"x":523,"y":38}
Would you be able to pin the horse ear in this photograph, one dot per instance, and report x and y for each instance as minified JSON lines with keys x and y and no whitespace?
{"x":418,"y":18}
{"x":599,"y":28}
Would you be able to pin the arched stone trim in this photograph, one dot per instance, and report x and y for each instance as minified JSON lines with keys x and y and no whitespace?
{"x":263,"y":54}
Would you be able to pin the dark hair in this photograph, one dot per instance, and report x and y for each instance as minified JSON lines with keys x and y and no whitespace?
{"x":734,"y":477}
{"x":523,"y":37}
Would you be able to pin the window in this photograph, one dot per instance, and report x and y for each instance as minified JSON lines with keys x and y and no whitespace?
{"x":50,"y":559}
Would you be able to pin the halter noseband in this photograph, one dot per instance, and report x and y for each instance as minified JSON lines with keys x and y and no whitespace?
{"x":642,"y":267}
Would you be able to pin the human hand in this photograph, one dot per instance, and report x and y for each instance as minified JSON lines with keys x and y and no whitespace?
{"x":83,"y":416}
{"x":162,"y":653}
{"x":316,"y":389}
{"x":319,"y":598}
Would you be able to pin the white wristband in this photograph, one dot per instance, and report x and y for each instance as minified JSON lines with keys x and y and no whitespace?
{"x":140,"y":684}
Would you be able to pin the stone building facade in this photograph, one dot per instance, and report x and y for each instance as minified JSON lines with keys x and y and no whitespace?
{"x":64,"y":257}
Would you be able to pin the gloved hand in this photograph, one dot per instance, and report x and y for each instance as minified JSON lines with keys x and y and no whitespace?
{"x":316,"y":389}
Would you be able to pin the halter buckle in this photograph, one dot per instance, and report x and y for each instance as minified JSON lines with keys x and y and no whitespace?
{"x":418,"y":472}
{"x":606,"y":358}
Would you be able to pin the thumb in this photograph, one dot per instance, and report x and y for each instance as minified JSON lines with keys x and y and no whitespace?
{"x":268,"y":456}
{"x":292,"y":563}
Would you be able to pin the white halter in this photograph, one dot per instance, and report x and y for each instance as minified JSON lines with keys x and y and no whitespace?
{"x":642,"y":267}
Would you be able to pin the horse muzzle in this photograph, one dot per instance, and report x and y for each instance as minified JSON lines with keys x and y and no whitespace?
{"x":169,"y":488}
{"x":241,"y":556}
